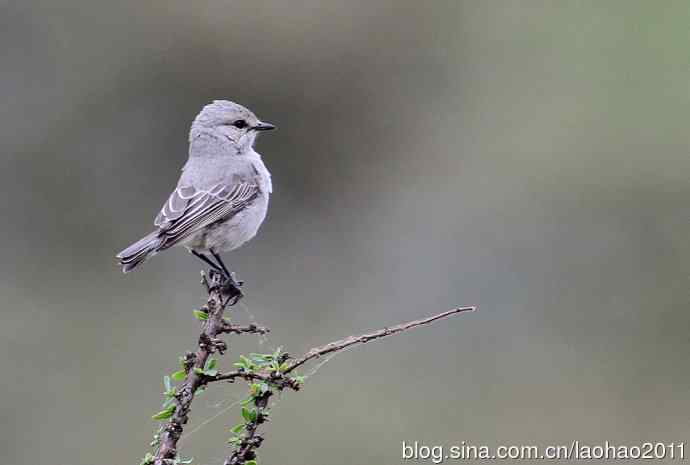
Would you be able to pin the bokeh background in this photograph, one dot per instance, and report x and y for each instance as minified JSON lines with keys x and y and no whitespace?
{"x":528,"y":157}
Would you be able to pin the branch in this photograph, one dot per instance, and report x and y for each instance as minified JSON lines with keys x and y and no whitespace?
{"x":238,"y":329}
{"x":246,"y":448}
{"x":363,"y":338}
{"x":281,"y":381}
{"x":219,"y":297}
{"x":267,"y":373}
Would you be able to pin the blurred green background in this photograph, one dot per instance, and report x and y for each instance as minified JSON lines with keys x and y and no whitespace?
{"x":530,"y":157}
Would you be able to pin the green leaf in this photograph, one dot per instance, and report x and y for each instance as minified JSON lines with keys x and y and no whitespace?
{"x":167,"y":383}
{"x":283,"y":366}
{"x":179,"y":375}
{"x":261,"y":359}
{"x":237,"y":428}
{"x":234,"y":440}
{"x":200,"y":315}
{"x":249,"y":415}
{"x":247,"y":363}
{"x":147,"y":460}
{"x":164,"y":414}
{"x":182,"y":461}
{"x":250,"y":462}
{"x":209,"y":368}
{"x":247,"y":401}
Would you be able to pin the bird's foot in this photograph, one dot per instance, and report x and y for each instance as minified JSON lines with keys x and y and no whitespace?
{"x":228,"y":284}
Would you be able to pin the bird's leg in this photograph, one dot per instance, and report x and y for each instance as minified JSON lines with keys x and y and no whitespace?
{"x":229,"y":284}
{"x":220,"y":262}
{"x":208,"y":261}
{"x":228,"y":274}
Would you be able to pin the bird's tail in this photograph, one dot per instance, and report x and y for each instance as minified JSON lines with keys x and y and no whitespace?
{"x":139,"y":252}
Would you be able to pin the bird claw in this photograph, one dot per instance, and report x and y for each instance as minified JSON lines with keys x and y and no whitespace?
{"x":232,"y":287}
{"x":227,"y":284}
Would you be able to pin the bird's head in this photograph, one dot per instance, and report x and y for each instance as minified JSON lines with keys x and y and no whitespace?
{"x":230,"y":121}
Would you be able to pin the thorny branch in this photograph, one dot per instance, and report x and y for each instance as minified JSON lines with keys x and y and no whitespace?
{"x":270,"y":377}
{"x":218,"y":298}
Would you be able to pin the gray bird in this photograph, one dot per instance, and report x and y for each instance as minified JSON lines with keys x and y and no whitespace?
{"x":221,"y":198}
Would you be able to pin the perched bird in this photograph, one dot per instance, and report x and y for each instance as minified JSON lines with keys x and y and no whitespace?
{"x":221,"y":198}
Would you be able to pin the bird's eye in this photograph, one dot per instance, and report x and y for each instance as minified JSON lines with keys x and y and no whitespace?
{"x":240,"y":124}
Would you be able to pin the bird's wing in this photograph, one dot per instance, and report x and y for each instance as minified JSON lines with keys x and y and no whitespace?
{"x":189,"y":209}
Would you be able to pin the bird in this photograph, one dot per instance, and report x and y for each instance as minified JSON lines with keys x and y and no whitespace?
{"x":221,"y":198}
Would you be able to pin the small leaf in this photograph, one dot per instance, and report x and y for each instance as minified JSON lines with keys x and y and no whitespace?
{"x":250,"y":462}
{"x":247,"y":363}
{"x":237,"y":428}
{"x":249,"y":415}
{"x":167,"y":383}
{"x":148,"y":459}
{"x":234,"y":440}
{"x":200,"y":315}
{"x":283,"y":366}
{"x":179,"y":375}
{"x":261,"y":359}
{"x":182,"y":461}
{"x":198,"y":371}
{"x":164,"y":414}
{"x":210,"y":364}
{"x":247,"y":401}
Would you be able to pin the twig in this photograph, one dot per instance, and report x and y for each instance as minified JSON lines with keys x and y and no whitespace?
{"x":237,"y":329}
{"x":280,"y":380}
{"x":246,"y":449}
{"x":363,"y":338}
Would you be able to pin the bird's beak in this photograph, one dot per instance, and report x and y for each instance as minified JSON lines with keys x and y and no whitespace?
{"x":263,"y":126}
